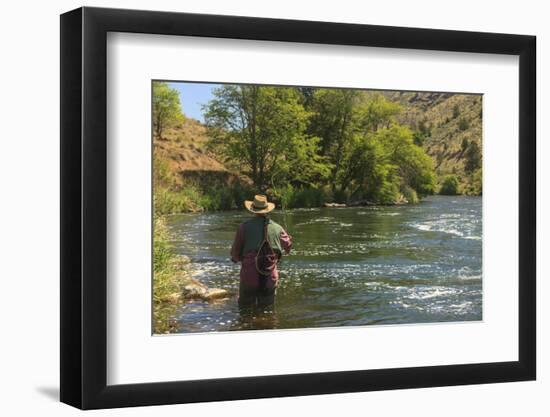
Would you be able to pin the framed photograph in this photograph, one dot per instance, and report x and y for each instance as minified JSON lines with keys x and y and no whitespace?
{"x":256,"y":208}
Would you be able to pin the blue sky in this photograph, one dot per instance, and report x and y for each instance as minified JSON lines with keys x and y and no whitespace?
{"x":193,"y":96}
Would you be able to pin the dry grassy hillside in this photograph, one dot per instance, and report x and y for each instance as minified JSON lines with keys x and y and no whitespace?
{"x":183,"y":149}
{"x":450,"y":122}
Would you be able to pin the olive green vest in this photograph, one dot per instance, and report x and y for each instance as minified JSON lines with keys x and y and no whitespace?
{"x":254,"y":235}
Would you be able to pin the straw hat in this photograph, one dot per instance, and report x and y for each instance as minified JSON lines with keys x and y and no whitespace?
{"x":259,"y":205}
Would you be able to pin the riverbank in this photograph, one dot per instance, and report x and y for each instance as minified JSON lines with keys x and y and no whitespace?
{"x":173,"y":196}
{"x":173,"y":284}
{"x":191,"y":198}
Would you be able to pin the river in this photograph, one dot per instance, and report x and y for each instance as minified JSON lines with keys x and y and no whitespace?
{"x":349,"y":266}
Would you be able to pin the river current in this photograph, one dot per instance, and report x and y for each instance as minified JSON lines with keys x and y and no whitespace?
{"x":348,"y":267}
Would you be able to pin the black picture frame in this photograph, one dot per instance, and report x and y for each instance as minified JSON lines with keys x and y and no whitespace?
{"x":84,"y":207}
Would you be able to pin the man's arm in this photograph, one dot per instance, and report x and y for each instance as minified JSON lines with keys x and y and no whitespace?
{"x":238,"y":245}
{"x":286,"y":241}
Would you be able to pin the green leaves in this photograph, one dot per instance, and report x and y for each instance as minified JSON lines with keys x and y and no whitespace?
{"x":450,"y":185}
{"x":345,"y":139}
{"x":381,"y":165}
{"x":375,"y":111}
{"x":264,"y":129}
{"x":167,"y":110}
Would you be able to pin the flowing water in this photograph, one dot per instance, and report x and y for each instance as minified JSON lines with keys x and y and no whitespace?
{"x":349,"y":266}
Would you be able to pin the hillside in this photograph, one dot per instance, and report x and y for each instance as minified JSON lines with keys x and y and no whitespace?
{"x":183,"y":148}
{"x":450,"y":123}
{"x":446,"y":125}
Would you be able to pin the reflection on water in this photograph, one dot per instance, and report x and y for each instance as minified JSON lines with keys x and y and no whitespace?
{"x":350,"y":266}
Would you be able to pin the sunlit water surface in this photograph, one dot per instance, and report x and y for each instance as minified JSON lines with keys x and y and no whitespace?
{"x":349,"y":266}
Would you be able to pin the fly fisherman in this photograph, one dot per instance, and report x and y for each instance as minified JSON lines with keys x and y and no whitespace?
{"x":259,"y":244}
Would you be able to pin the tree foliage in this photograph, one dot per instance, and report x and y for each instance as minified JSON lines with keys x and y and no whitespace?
{"x":450,"y":185}
{"x":332,"y":121}
{"x":346,"y":140}
{"x":264,"y":129}
{"x":167,"y":110}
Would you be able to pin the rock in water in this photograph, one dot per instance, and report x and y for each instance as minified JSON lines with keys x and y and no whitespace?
{"x":195,"y":289}
{"x":216,"y":293}
{"x":334,"y":205}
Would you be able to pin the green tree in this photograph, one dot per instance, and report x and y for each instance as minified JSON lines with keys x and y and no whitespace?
{"x":343,"y":119}
{"x":167,"y":110}
{"x":373,"y":157}
{"x":264,"y":129}
{"x":376,"y":112}
{"x":332,"y":121}
{"x":380,"y":165}
{"x":413,"y":166}
{"x":363,"y":170}
{"x":449,"y":185}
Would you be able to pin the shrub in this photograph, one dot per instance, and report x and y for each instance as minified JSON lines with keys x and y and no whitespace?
{"x":192,"y":198}
{"x":306,"y":197}
{"x":449,"y":186}
{"x":456,"y":111}
{"x":410,"y":194}
{"x":386,"y":191}
{"x":477,"y":183}
{"x":170,"y":202}
{"x":473,"y":157}
{"x":283,"y":195}
{"x":463,"y":124}
{"x":340,"y":196}
{"x":217,"y":199}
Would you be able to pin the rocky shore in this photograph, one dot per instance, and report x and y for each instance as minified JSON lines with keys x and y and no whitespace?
{"x":364,"y":203}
